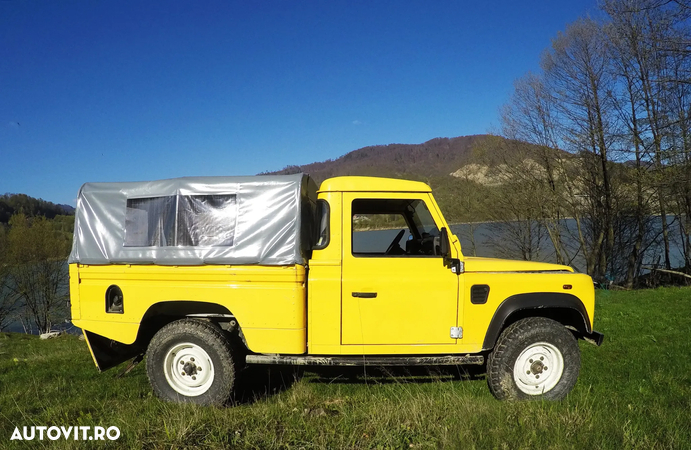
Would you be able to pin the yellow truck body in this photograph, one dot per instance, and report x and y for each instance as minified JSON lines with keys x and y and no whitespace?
{"x":343,"y":302}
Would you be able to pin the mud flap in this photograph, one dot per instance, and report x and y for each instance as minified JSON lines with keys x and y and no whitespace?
{"x":108,"y":353}
{"x":593,"y":337}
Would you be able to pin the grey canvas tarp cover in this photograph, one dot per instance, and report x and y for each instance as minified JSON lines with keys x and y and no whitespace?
{"x":267,"y":220}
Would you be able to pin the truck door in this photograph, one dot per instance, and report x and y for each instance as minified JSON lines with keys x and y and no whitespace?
{"x":395,"y":286}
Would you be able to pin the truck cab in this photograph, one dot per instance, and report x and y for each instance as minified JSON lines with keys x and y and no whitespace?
{"x":383,"y":282}
{"x":379,"y":283}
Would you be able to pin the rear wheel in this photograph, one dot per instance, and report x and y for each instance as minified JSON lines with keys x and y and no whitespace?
{"x":534,"y":358}
{"x":191,"y":361}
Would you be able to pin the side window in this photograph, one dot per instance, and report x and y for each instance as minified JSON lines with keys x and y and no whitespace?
{"x":182,"y":220}
{"x":393,"y":228}
{"x":150,"y":222}
{"x":323,"y":216}
{"x":206,"y":220}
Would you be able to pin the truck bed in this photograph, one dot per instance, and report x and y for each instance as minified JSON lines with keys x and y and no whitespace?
{"x":277,"y":291}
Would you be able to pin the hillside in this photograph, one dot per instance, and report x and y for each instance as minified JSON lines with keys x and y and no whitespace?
{"x":458,"y":169}
{"x":435,"y":158}
{"x":22,"y":203}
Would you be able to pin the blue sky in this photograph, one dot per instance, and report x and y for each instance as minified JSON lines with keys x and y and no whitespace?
{"x":137,"y":90}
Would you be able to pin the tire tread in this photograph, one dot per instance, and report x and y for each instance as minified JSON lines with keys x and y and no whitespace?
{"x":500,"y":361}
{"x":215,"y":339}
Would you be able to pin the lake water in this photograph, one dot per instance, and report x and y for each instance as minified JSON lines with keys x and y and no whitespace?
{"x":494,"y":240}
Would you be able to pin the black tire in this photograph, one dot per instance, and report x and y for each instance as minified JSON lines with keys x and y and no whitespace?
{"x":201,"y":351}
{"x":519,"y":360}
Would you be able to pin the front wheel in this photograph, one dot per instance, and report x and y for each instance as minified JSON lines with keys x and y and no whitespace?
{"x":534,"y":358}
{"x":191,"y":361}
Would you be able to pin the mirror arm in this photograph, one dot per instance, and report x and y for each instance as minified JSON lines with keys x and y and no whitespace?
{"x":455,"y":264}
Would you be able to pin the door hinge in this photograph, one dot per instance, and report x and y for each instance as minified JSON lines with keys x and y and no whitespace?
{"x":456,"y":332}
{"x":457,"y":266}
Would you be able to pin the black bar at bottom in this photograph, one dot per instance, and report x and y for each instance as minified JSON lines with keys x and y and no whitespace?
{"x":301,"y":360}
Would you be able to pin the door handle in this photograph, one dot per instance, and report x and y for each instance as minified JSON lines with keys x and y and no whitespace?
{"x":365,"y":294}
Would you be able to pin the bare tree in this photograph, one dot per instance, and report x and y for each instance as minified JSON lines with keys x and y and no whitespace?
{"x":680,"y":164}
{"x":644,"y":33}
{"x":8,"y":300}
{"x":607,"y":129}
{"x":38,"y":276}
{"x":530,"y":121}
{"x":516,"y":231}
{"x":576,"y":72}
{"x":628,"y":105}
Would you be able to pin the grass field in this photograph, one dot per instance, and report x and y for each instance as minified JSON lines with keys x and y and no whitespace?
{"x":633,"y":392}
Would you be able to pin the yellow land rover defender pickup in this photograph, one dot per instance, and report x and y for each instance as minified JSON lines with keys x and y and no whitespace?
{"x":206,"y":275}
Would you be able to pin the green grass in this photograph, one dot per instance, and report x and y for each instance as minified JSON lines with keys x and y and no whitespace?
{"x":633,"y":392}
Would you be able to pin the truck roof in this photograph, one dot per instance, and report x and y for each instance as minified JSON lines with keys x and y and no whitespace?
{"x":372,"y":184}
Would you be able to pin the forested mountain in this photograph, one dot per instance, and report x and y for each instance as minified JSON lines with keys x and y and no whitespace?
{"x":434,"y":158}
{"x":31,"y":207}
{"x":448,"y":165}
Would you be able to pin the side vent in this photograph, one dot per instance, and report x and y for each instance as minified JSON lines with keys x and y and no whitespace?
{"x":114,"y":300}
{"x":479,"y":294}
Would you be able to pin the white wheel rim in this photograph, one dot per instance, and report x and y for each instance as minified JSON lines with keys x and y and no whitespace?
{"x":188,"y":369}
{"x":538,"y":368}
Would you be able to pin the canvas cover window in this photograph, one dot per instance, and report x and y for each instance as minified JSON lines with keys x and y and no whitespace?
{"x":150,"y":222}
{"x":206,"y":220}
{"x":183,"y":221}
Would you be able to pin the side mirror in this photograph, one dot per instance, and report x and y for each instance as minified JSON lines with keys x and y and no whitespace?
{"x":444,"y":243}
